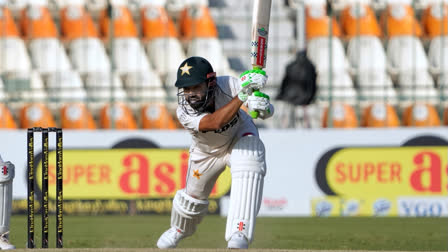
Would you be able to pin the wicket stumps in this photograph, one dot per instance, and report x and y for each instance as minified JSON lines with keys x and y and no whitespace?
{"x":44,"y":200}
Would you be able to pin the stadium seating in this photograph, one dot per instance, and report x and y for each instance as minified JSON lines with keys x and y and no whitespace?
{"x":366,"y":54}
{"x":195,"y":21}
{"x":340,"y":116}
{"x":434,"y":20}
{"x":6,"y":118}
{"x":14,"y":56}
{"x":123,"y":23}
{"x":319,"y":49}
{"x":76,"y":116}
{"x":36,"y":115}
{"x":380,"y":115}
{"x":76,"y":22}
{"x":88,"y":55}
{"x":36,"y":21}
{"x":48,"y":55}
{"x":66,"y":86}
{"x":104,"y":87}
{"x":438,"y":55}
{"x":399,"y":20}
{"x":358,"y":19}
{"x":117,"y":116}
{"x":317,"y":21}
{"x":421,"y":115}
{"x":156,"y":116}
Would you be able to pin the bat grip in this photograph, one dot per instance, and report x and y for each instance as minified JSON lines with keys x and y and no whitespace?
{"x":254,"y":114}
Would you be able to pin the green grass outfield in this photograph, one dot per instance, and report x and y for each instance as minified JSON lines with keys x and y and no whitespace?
{"x":350,"y":233}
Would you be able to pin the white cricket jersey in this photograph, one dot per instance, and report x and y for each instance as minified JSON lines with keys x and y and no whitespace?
{"x":219,"y":141}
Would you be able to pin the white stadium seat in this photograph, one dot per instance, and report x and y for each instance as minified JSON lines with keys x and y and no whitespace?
{"x":99,"y":87}
{"x":165,"y":54}
{"x":48,"y":55}
{"x":144,"y":86}
{"x":366,"y":53}
{"x":319,"y":54}
{"x":89,"y":55}
{"x":210,"y":49}
{"x":13,"y":55}
{"x":406,"y":54}
{"x":341,"y":87}
{"x":129,"y":56}
{"x":438,"y":55}
{"x":66,"y":86}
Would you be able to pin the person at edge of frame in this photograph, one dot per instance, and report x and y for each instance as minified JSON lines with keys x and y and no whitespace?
{"x":222,"y":134}
{"x":6,"y":177}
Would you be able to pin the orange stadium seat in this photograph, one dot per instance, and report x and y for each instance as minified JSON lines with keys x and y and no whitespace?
{"x":343,"y":116}
{"x":120,"y":113}
{"x":362,"y":17}
{"x":156,"y":23}
{"x":435,"y":19}
{"x":6,"y":118}
{"x":421,"y":115}
{"x":445,"y":116}
{"x":399,"y":20}
{"x":124,"y":26}
{"x":76,"y":22}
{"x":36,"y":22}
{"x":196,"y":21}
{"x":317,"y":23}
{"x":76,"y":116}
{"x":36,"y":115}
{"x":380,"y":115}
{"x":8,"y":27}
{"x":156,"y":116}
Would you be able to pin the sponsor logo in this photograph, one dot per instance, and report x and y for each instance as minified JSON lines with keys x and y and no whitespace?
{"x":275,"y":204}
{"x":381,"y":207}
{"x":323,"y":208}
{"x":262,"y":32}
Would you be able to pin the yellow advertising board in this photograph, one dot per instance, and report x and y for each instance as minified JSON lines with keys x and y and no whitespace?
{"x":124,"y":174}
{"x":388,"y":172}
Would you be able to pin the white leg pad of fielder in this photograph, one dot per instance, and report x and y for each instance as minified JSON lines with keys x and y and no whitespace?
{"x":248,"y":168}
{"x":6,"y":177}
{"x":187,"y":212}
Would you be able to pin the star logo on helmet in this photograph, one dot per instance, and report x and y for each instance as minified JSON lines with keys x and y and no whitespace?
{"x":196,"y":174}
{"x":185,"y":69}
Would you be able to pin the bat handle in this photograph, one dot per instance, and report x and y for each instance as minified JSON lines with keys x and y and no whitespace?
{"x":254,"y":114}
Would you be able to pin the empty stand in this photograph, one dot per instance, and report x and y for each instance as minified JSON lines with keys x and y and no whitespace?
{"x":89,"y":55}
{"x":103,"y":87}
{"x":435,"y":19}
{"x":155,"y":21}
{"x":366,"y":54}
{"x":358,"y":19}
{"x":165,"y":54}
{"x":129,"y":56}
{"x":144,"y":86}
{"x":406,"y":54}
{"x":421,"y":115}
{"x":13,"y":55}
{"x":76,"y":116}
{"x":317,"y":21}
{"x":66,"y":86}
{"x":399,"y":20}
{"x":77,"y":23}
{"x":156,"y":116}
{"x":380,"y":115}
{"x":438,"y":55}
{"x":117,"y":116}
{"x":6,"y":118}
{"x":123,"y":23}
{"x":36,"y":115}
{"x":196,"y":22}
{"x":340,"y":116}
{"x":48,"y":55}
{"x":36,"y":21}
{"x":319,"y":53}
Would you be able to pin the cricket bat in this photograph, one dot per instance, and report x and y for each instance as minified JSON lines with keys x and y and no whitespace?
{"x":260,"y":32}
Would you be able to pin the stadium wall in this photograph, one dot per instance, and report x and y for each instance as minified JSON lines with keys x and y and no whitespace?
{"x":361,"y":172}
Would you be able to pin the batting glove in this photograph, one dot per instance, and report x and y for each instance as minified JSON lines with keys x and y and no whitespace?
{"x":250,"y":81}
{"x":260,"y":103}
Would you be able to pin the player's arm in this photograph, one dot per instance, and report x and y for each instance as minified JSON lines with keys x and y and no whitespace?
{"x":249,"y":81}
{"x":220,"y":117}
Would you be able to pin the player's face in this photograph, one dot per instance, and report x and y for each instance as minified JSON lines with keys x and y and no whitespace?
{"x":196,"y":95}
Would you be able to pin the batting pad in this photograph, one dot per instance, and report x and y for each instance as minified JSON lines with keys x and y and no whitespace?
{"x":187,"y":212}
{"x":6,"y":177}
{"x":248,"y":168}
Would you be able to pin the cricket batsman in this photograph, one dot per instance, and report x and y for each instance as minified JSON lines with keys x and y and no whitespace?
{"x":223,"y":134}
{"x":6,"y":177}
